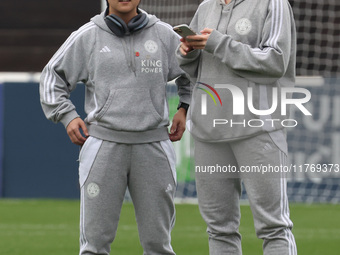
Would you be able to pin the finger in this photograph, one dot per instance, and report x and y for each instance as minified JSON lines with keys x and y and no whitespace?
{"x":185,"y":47}
{"x":173,"y":134}
{"x":84,"y":128}
{"x":172,"y":130}
{"x":180,"y":130}
{"x":177,"y":135}
{"x":197,"y":43}
{"x":174,"y":125}
{"x":180,"y":135}
{"x":195,"y":38}
{"x":184,"y":41}
{"x":206,"y":31}
{"x":79,"y":137}
{"x":199,"y":48}
{"x":173,"y":137}
{"x":183,"y":53}
{"x":74,"y":138}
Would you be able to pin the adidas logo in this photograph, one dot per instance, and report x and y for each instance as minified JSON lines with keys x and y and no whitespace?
{"x":267,"y":147}
{"x":105,"y":49}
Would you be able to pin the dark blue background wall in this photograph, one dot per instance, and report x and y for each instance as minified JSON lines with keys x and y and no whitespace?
{"x":38,"y":159}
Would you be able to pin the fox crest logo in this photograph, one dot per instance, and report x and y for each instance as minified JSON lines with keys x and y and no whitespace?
{"x":151,"y":46}
{"x":243,"y":26}
{"x":93,"y":190}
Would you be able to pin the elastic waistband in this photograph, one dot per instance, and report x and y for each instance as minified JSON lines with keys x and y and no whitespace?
{"x":149,"y":136}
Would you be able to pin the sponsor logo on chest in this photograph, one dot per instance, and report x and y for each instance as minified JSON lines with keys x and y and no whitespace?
{"x":149,"y":65}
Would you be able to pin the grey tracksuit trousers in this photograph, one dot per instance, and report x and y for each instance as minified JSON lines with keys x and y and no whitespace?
{"x":106,"y":170}
{"x":219,"y":193}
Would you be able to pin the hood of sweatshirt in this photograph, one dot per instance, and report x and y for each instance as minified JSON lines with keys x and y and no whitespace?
{"x":100,"y":22}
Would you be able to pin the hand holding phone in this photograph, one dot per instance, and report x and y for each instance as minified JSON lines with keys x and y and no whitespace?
{"x":184,"y":30}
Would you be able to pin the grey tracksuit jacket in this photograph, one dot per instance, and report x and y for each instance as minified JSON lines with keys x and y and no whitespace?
{"x":125,"y":80}
{"x":253,"y":45}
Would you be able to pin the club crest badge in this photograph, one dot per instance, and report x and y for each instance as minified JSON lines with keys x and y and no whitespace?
{"x":243,"y":26}
{"x":151,"y":46}
{"x":93,"y":190}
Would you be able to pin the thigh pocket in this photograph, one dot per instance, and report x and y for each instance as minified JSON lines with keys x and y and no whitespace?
{"x":87,"y":155}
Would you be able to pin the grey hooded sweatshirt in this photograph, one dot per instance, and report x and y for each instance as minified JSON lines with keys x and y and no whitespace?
{"x":125,"y":80}
{"x":252,"y":48}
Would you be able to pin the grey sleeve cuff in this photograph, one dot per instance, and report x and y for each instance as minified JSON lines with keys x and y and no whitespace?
{"x":68,"y":117}
{"x":185,"y":99}
{"x":213,"y":40}
{"x":191,"y":56}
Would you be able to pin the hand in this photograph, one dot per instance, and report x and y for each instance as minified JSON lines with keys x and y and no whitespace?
{"x":178,"y":125}
{"x":73,"y":131}
{"x":185,"y":48}
{"x":198,"y":42}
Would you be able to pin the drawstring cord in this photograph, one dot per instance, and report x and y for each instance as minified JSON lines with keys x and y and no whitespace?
{"x":129,"y":52}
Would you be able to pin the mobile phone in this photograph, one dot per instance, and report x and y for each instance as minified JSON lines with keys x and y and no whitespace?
{"x":184,"y":30}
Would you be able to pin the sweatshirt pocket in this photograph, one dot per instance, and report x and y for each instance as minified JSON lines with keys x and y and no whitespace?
{"x":130,"y":109}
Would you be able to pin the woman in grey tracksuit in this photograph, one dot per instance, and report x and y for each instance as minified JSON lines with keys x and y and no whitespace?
{"x":241,"y":61}
{"x":125,"y":58}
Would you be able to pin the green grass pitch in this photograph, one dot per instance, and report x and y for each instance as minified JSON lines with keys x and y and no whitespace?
{"x":34,"y":227}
